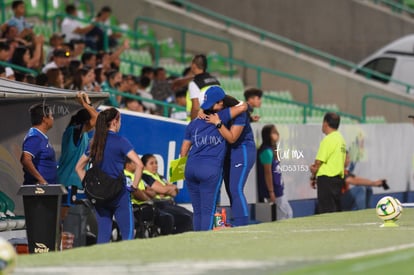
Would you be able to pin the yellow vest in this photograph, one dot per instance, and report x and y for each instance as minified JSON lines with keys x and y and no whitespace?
{"x":141,"y":186}
{"x":160,"y":180}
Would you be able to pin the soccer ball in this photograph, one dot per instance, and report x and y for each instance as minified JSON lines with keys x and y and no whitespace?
{"x":8,"y":257}
{"x":389,"y":209}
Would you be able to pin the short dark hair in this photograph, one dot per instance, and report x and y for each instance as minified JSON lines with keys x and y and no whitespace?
{"x":70,"y":9}
{"x":4,"y":46}
{"x":181,"y":93}
{"x":158,"y":70}
{"x":186,"y":71}
{"x":332,"y":119}
{"x":200,"y":60}
{"x":17,"y":3}
{"x":38,"y":112}
{"x":146,"y":69}
{"x":106,"y":9}
{"x":86,"y":56}
{"x":252,"y":92}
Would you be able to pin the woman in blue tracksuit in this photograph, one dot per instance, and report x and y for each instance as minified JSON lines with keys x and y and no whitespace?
{"x":206,"y":149}
{"x":109,"y":151}
{"x":240,"y":158}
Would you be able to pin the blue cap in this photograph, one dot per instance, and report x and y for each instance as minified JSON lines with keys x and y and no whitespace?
{"x":213,"y":95}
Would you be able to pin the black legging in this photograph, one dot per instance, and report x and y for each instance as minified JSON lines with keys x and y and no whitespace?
{"x":183,"y":219}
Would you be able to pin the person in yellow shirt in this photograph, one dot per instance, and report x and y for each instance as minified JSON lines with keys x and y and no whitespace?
{"x":328,"y":168}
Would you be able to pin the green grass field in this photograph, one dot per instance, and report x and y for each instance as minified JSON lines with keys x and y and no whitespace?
{"x":338,"y":243}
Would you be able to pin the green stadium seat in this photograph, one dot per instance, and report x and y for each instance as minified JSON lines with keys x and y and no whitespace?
{"x":143,"y":30}
{"x":171,"y":49}
{"x":216,"y":64}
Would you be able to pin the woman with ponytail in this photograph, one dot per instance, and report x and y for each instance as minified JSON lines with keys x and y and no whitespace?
{"x":109,"y":151}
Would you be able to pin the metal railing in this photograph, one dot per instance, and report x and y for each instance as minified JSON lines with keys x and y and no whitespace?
{"x":259,"y":70}
{"x":19,"y":68}
{"x":130,"y":33}
{"x":297,"y":47}
{"x":308,"y":108}
{"x":166,"y":106}
{"x":381,"y":98}
{"x":184,"y":31}
{"x":395,"y":6}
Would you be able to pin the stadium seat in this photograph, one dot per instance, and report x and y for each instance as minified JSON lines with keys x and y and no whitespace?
{"x":171,"y":49}
{"x":216,"y":64}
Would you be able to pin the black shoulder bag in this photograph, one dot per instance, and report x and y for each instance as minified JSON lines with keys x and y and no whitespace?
{"x":99,"y":187}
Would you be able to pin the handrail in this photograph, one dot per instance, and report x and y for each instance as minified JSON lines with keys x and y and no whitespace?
{"x":19,"y":68}
{"x":184,"y":31}
{"x":395,"y":6}
{"x":297,"y":47}
{"x":3,"y":11}
{"x":165,"y":105}
{"x":311,"y":107}
{"x":382,"y":98}
{"x":134,"y":34}
{"x":260,"y":70}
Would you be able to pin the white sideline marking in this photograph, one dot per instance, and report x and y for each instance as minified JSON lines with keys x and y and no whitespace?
{"x":354,"y":255}
{"x":156,"y":268}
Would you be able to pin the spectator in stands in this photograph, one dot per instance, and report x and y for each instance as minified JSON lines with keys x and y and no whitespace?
{"x":84,"y":80}
{"x":114,"y":57}
{"x":180,"y":100}
{"x":161,"y":88}
{"x":147,"y":71}
{"x":5,"y":57}
{"x":38,"y":156}
{"x":113,"y":81}
{"x":22,"y":57}
{"x":143,"y":205}
{"x":328,"y":169}
{"x":75,"y":140}
{"x":357,"y":191}
{"x":253,"y":97}
{"x":41,"y":79}
{"x":4,"y":51}
{"x":73,"y":29}
{"x":74,"y":66}
{"x":100,"y":76}
{"x":55,"y":78}
{"x":135,"y":105}
{"x":164,"y":200}
{"x":55,"y":42}
{"x":29,"y":79}
{"x":60,"y":60}
{"x":77,"y":47}
{"x":95,"y":37}
{"x":2,"y":72}
{"x":24,"y":29}
{"x":202,"y":81}
{"x":139,"y":87}
{"x":269,"y":174}
{"x":89,"y":59}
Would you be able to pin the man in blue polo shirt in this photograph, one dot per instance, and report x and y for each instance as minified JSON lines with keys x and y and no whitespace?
{"x":38,"y":156}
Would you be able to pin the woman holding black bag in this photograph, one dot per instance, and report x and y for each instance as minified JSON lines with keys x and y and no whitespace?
{"x":108,"y":152}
